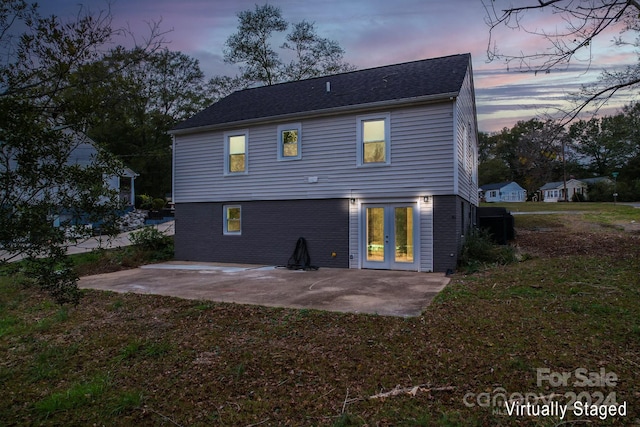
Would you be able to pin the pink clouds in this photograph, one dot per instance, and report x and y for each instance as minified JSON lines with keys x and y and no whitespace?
{"x":375,"y":33}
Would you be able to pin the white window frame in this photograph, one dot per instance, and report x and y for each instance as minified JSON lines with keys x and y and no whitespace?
{"x":227,"y":163}
{"x":225,"y":229}
{"x":290,"y":126}
{"x":360,"y":135}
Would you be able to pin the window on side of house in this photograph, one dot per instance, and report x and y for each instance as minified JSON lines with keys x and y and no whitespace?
{"x":290,"y":142}
{"x":235,"y":152}
{"x":374,"y":141}
{"x":232,"y":221}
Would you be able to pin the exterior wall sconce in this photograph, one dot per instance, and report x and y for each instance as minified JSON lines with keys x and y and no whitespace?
{"x":353,"y":201}
{"x":426,"y":199}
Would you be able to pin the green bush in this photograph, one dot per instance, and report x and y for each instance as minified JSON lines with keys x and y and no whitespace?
{"x":55,"y":275}
{"x":578,"y":197}
{"x":603,"y":192}
{"x":479,"y":249}
{"x":150,"y":238}
{"x":144,"y":201}
{"x":158,"y":204}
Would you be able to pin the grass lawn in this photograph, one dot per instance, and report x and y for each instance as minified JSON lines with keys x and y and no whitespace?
{"x":571,"y":308}
{"x":600,"y":213}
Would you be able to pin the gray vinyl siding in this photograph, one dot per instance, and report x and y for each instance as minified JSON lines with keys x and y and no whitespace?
{"x":467,"y":182}
{"x":421,"y":161}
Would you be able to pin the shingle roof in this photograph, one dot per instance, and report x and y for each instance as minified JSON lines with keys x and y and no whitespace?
{"x":596,"y":180}
{"x":496,"y":186}
{"x":552,"y":185}
{"x":428,"y":77}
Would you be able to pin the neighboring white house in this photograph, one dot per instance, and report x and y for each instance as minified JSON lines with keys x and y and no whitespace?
{"x":503,"y":192}
{"x":375,"y":168}
{"x":84,"y":154}
{"x":554,"y":191}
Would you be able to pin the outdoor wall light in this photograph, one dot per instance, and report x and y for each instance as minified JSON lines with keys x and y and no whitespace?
{"x":426,"y":199}
{"x":353,"y":201}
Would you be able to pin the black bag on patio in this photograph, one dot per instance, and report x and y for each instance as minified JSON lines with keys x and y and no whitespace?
{"x":300,"y":259}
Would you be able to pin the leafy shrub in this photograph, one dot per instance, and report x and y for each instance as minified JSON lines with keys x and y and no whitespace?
{"x":55,"y":275}
{"x":144,"y":201}
{"x":478,"y":249}
{"x":603,"y":191}
{"x":158,"y":204}
{"x":150,"y":238}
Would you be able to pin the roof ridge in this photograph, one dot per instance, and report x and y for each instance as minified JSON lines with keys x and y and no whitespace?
{"x":425,"y":79}
{"x":380,"y":67}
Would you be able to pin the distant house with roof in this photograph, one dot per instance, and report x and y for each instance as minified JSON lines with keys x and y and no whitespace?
{"x":503,"y":192}
{"x":597,"y":180}
{"x":555,"y":191}
{"x":375,"y":168}
{"x":85,"y":153}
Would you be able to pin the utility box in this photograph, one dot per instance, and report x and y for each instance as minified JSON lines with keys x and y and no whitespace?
{"x":498,"y":221}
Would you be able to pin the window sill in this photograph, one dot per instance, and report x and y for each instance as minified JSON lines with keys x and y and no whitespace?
{"x":373,"y":165}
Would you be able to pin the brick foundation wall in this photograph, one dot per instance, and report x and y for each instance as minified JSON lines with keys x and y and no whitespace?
{"x":452,"y":218}
{"x":270,"y":230}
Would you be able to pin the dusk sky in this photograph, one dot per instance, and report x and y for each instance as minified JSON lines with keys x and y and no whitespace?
{"x":375,"y":33}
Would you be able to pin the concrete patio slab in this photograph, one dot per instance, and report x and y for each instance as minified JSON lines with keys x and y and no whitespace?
{"x":382,"y":292}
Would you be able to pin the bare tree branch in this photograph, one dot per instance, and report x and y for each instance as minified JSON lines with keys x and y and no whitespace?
{"x":582,"y":22}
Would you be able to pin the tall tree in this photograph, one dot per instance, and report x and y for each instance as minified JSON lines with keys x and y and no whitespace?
{"x":314,"y":56}
{"x":491,"y":167}
{"x":531,"y":152}
{"x":39,"y":131}
{"x":606,"y":143}
{"x":260,"y":64}
{"x":251,"y":45}
{"x":133,"y":110}
{"x":573,"y":26}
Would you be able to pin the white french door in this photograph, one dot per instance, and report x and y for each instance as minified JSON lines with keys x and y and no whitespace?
{"x":389,"y":236}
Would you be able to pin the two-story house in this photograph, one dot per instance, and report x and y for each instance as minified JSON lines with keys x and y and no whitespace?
{"x":375,"y":168}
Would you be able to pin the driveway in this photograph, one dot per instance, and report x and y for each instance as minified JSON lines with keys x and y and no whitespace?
{"x":93,"y":243}
{"x":382,"y":292}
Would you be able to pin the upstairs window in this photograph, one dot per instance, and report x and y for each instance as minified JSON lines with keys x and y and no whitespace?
{"x":289,"y":142}
{"x":374,"y":145}
{"x":235,"y":149}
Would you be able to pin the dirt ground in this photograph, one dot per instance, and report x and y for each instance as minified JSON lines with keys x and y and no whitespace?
{"x":575,"y":237}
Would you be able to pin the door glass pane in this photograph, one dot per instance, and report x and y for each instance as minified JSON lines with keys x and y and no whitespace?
{"x":375,"y":234}
{"x":403,"y":228}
